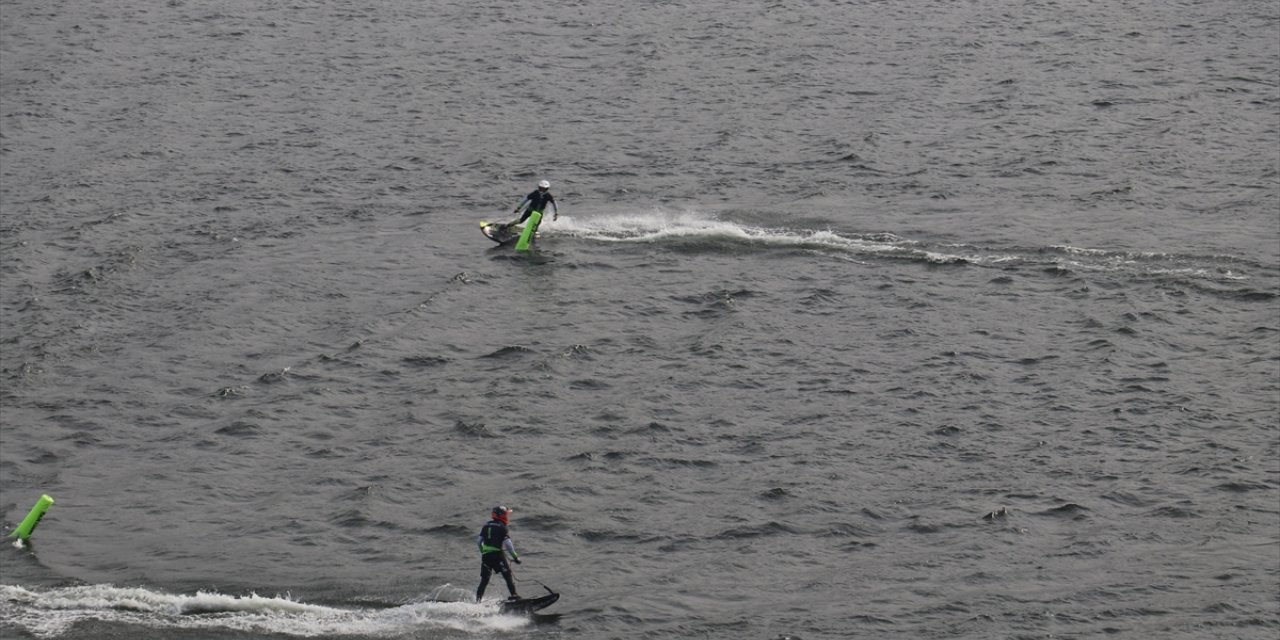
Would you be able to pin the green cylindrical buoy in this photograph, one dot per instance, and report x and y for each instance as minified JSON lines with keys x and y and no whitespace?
{"x":29,"y":523}
{"x":535,"y":218}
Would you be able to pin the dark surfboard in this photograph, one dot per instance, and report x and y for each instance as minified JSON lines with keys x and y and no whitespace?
{"x":529,"y":605}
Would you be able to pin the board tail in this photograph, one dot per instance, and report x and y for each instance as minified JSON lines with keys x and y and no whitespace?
{"x":526,"y":236}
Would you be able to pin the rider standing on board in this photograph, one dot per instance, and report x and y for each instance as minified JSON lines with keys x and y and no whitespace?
{"x":537,"y":200}
{"x":495,"y":544}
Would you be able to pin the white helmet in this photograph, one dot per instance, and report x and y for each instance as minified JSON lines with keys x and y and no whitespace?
{"x":544,"y":185}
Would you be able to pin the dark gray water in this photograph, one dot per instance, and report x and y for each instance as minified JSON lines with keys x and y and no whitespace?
{"x":861,"y":319}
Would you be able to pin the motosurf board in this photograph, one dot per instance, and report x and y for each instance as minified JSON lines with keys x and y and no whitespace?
{"x":501,"y":233}
{"x":504,"y":234}
{"x":529,"y":605}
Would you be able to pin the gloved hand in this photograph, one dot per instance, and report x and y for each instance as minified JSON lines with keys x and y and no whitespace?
{"x":517,"y":560}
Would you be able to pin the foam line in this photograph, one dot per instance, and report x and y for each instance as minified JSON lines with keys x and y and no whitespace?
{"x":695,"y":229}
{"x":49,"y":613}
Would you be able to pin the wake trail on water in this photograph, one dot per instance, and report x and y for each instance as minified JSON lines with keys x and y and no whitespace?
{"x":695,"y":231}
{"x":49,"y":613}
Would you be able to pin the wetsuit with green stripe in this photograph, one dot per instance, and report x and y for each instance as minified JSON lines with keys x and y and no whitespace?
{"x":493,"y":541}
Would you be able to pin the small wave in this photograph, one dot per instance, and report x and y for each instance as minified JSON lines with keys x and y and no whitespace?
{"x":1242,"y":487}
{"x":426,"y":362}
{"x":474,"y":429}
{"x":589,"y":384}
{"x":758,"y":531}
{"x":676,"y":463}
{"x":52,"y":612}
{"x":275,"y":377}
{"x":608,"y":536}
{"x":925,"y":528}
{"x":1126,"y":498}
{"x":577,"y":352}
{"x":508,"y":352}
{"x":1173,"y":512}
{"x":653,"y":428}
{"x":1070,"y":511}
{"x":240,"y":429}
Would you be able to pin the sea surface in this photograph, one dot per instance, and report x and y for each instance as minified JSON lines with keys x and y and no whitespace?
{"x":861,"y":319}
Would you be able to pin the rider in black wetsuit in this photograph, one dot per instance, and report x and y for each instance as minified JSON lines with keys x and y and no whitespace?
{"x":537,"y":201}
{"x":493,"y":541}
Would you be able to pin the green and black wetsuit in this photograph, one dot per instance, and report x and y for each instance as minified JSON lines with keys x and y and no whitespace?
{"x":494,"y":540}
{"x":537,"y":201}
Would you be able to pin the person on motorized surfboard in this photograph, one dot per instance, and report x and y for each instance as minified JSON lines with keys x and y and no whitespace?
{"x":495,"y":545}
{"x":537,"y":200}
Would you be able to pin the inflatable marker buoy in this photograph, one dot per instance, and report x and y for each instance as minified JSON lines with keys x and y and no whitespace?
{"x":24,"y":530}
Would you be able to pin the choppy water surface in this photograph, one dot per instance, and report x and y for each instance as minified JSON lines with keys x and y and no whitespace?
{"x":911,"y":320}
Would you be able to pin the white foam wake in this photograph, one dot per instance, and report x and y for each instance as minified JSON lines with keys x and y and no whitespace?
{"x":685,"y":228}
{"x":659,"y":226}
{"x":50,"y":613}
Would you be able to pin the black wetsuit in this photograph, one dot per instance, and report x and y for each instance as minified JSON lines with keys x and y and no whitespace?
{"x":537,"y":201}
{"x":493,"y":540}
